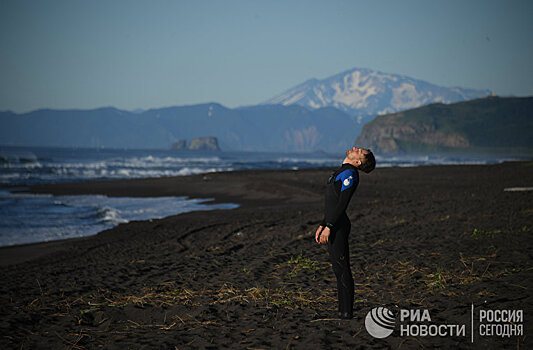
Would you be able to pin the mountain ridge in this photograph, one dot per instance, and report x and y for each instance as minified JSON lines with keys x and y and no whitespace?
{"x":364,"y":93}
{"x":253,"y":128}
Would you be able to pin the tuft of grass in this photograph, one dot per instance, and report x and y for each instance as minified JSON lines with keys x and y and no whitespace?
{"x":304,"y":263}
{"x":435,"y":280}
{"x":479,"y":233}
{"x":300,"y":263}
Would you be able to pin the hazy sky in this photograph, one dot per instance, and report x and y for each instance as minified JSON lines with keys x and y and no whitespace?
{"x":148,"y":54}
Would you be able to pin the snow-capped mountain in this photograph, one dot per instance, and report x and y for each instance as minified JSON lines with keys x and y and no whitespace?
{"x":365,"y":93}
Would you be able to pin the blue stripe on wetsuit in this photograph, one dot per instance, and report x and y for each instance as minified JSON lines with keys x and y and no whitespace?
{"x":348,"y":177}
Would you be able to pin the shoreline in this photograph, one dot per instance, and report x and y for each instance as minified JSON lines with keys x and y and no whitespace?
{"x":254,"y":277}
{"x":223,"y":187}
{"x":199,"y":186}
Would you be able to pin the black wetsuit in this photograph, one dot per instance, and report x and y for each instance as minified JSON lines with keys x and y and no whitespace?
{"x":339,"y":190}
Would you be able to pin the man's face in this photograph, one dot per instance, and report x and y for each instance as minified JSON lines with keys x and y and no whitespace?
{"x":357,"y":154}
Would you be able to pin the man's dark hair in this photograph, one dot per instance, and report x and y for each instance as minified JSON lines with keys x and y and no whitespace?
{"x":369,"y":164}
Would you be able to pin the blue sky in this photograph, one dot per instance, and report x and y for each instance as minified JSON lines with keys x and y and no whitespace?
{"x":149,"y":54}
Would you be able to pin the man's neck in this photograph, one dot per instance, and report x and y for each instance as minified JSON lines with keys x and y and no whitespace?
{"x":348,"y":161}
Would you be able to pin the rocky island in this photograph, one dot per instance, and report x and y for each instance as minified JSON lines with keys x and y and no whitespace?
{"x":197,"y":144}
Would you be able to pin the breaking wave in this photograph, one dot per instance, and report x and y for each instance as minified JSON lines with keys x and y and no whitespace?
{"x":28,"y":218}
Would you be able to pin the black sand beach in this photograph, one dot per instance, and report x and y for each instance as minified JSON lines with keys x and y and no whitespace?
{"x":438,"y":238}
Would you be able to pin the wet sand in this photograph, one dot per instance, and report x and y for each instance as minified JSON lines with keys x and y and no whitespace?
{"x":439,"y":238}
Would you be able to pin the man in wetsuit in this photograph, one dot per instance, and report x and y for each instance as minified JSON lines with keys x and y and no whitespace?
{"x":335,"y":227}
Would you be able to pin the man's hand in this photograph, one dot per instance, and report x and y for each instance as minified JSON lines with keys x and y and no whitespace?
{"x":324,"y":237}
{"x":318,"y":232}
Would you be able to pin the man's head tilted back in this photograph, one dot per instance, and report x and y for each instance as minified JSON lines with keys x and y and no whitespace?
{"x":363,"y":159}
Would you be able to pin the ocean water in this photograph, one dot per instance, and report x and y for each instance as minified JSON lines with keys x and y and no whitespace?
{"x":28,"y":218}
{"x":26,"y":166}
